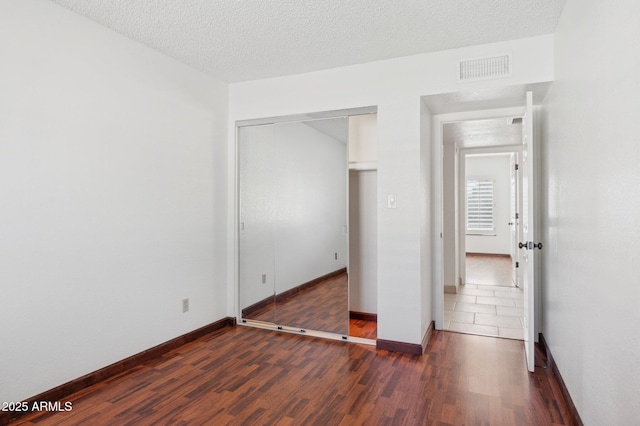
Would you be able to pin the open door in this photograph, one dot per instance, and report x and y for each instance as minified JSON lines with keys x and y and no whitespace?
{"x":527,"y":245}
{"x":514,"y":219}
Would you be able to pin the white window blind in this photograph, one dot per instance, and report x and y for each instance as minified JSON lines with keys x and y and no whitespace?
{"x":479,"y":205}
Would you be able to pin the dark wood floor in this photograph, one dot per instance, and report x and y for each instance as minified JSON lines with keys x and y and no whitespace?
{"x":362,"y":328}
{"x":488,"y":269}
{"x":246,"y":376}
{"x":323,"y":306}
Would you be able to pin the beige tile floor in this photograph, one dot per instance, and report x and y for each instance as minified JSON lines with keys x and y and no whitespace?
{"x":485,"y":309}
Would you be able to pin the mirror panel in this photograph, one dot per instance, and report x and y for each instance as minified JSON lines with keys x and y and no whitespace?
{"x":293,"y":215}
{"x":256,"y":234}
{"x":311,"y":219}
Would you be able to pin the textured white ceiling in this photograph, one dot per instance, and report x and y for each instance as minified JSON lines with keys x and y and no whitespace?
{"x":236,"y":40}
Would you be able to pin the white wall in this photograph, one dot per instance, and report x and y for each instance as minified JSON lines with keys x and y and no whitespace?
{"x":363,"y":138}
{"x":363,"y":213}
{"x":496,"y":168}
{"x":395,"y":87}
{"x":363,"y":241}
{"x":591,"y":160}
{"x":427,"y":234}
{"x":112,"y":163}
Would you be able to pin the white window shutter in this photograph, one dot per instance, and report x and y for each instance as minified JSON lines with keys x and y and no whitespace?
{"x":479,"y":205}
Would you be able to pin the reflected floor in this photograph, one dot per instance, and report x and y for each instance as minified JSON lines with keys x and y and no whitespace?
{"x":323,"y":306}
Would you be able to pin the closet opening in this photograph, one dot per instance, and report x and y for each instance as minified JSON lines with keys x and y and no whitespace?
{"x":306,"y":224}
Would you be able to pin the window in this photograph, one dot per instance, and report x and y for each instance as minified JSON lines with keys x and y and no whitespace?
{"x":479,"y":205}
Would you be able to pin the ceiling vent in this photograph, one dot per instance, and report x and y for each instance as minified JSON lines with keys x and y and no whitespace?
{"x":484,"y":68}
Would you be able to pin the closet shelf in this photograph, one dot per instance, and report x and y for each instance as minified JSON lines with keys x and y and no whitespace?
{"x":363,"y":165}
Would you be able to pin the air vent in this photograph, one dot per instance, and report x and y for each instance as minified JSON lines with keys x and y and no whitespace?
{"x":484,"y":68}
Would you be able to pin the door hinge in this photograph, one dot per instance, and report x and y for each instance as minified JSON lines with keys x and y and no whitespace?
{"x":517,"y":264}
{"x":517,"y":166}
{"x":517,"y":215}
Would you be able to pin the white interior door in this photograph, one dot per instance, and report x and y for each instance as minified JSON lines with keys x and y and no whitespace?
{"x":514,"y":208}
{"x":528,"y":244}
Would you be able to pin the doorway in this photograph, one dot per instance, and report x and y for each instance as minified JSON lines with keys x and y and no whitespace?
{"x":483,"y":186}
{"x":507,"y":101}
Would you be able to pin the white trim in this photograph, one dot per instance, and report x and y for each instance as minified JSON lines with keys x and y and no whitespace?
{"x":321,"y":115}
{"x":305,"y":332}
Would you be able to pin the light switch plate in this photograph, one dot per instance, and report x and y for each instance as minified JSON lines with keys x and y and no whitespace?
{"x":391,"y":201}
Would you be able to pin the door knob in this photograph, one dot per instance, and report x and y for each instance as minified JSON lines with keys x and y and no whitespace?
{"x":530,"y":245}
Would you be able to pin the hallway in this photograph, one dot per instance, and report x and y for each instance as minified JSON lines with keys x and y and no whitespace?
{"x":487,"y":269}
{"x":489,"y":304}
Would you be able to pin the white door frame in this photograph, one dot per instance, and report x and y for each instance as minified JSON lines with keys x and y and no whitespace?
{"x":529,"y":228}
{"x":438,"y":122}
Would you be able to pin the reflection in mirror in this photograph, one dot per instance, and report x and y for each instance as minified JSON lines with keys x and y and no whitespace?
{"x":256,"y":239}
{"x":293,"y":187}
{"x":311,"y":219}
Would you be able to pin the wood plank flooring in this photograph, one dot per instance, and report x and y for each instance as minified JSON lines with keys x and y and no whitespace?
{"x":363,"y":328}
{"x":323,"y":306}
{"x":246,"y":376}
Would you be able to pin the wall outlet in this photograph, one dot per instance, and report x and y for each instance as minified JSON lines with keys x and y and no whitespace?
{"x":335,"y":255}
{"x":264,"y":278}
{"x":185,"y":305}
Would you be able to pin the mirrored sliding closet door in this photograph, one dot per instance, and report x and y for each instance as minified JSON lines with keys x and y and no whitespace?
{"x":293,"y":215}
